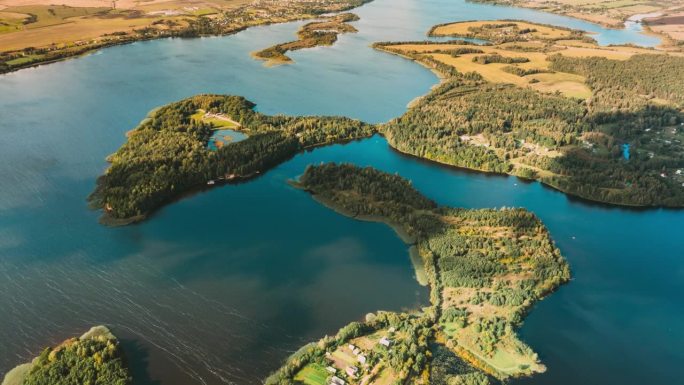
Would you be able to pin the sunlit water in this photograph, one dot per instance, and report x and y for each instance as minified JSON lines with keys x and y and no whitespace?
{"x":221,"y":286}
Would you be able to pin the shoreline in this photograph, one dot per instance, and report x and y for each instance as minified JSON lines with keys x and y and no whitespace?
{"x":396,"y":227}
{"x":85,"y":50}
{"x":666,"y":42}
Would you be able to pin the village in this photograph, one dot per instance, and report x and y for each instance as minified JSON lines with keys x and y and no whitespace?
{"x":359,"y":362}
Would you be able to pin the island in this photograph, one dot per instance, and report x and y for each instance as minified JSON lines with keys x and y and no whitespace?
{"x":174,"y":151}
{"x":547,"y":103}
{"x":485,"y":269}
{"x":93,"y":358}
{"x":317,"y":33}
{"x":42,"y":32}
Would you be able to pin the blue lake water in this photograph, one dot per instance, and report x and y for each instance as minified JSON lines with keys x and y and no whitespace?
{"x":219,"y":287}
{"x":625,"y":151}
{"x":225,"y":137}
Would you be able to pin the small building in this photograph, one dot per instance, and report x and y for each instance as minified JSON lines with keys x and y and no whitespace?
{"x":385,"y":341}
{"x":361,"y":358}
{"x":392,"y":329}
{"x":352,"y":347}
{"x":356,"y":351}
{"x":352,"y":371}
{"x":331,"y":369}
{"x":337,"y":381}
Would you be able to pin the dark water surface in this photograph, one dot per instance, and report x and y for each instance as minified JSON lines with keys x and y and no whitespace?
{"x":219,"y":287}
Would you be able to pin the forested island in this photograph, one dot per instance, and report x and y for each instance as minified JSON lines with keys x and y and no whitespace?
{"x":547,"y":103}
{"x":485,"y":268}
{"x":94,"y":358}
{"x":168,"y":155}
{"x":317,"y":33}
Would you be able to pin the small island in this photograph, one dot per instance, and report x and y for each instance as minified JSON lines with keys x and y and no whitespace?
{"x":314,"y":34}
{"x":547,"y":103}
{"x":93,"y":358}
{"x":174,"y":151}
{"x":485,"y":268}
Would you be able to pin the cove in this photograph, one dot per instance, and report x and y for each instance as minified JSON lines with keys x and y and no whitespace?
{"x":219,"y":287}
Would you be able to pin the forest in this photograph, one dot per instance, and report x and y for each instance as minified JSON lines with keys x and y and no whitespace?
{"x":167,"y":154}
{"x":485,"y":269}
{"x":574,"y":145}
{"x":95,"y":361}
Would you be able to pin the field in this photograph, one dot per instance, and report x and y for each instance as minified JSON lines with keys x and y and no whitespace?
{"x":671,"y":24}
{"x":521,"y":57}
{"x":218,"y":121}
{"x":469,"y":27}
{"x":312,"y":374}
{"x":613,"y":13}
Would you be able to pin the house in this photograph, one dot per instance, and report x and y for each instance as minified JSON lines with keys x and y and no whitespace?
{"x":331,"y":369}
{"x":356,"y":351}
{"x":361,"y":358}
{"x":336,"y":381}
{"x":352,"y":371}
{"x":385,"y":341}
{"x":352,"y":347}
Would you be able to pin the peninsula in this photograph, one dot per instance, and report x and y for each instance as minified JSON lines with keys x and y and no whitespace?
{"x":547,"y":103}
{"x":93,"y":358}
{"x":485,"y":268}
{"x":169,"y":153}
{"x":317,"y":33}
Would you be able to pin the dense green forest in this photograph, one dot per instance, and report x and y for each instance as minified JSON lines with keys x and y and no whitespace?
{"x":94,"y":360}
{"x":167,"y":154}
{"x":574,"y":145}
{"x":485,"y":268}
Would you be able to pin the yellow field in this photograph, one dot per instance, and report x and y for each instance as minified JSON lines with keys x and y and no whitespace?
{"x":570,"y":85}
{"x":463,"y":28}
{"x":84,"y":20}
{"x":76,"y":30}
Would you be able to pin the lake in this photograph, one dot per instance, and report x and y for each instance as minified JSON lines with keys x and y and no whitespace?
{"x":221,"y":286}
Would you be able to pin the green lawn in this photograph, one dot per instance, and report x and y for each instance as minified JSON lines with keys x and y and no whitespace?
{"x":215,"y":122}
{"x":22,"y":60}
{"x":312,"y":374}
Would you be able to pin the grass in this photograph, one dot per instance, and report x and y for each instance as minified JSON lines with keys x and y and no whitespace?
{"x":570,"y":85}
{"x":22,"y":60}
{"x":312,"y":374}
{"x":215,"y":122}
{"x":506,"y":358}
